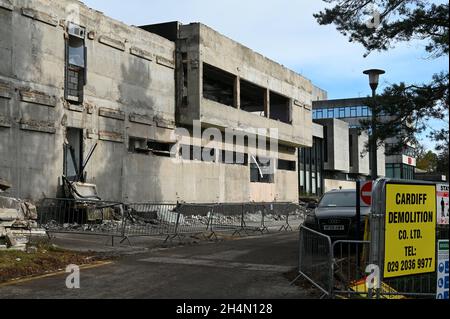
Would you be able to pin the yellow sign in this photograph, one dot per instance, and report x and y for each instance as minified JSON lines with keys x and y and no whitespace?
{"x":410,"y":235}
{"x":361,"y":288}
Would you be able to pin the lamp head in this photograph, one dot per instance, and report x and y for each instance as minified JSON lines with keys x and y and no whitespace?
{"x":374,"y":77}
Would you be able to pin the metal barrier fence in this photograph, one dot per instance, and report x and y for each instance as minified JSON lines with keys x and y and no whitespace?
{"x":315,"y":260}
{"x":350,"y":259}
{"x":338,"y":269}
{"x":170,"y":220}
{"x":86,"y":216}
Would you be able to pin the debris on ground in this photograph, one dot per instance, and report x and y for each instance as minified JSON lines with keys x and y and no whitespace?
{"x":159,"y":219}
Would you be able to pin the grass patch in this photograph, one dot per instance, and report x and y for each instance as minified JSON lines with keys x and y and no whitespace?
{"x":46,"y":258}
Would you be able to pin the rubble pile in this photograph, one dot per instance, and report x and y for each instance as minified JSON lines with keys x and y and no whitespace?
{"x":17,"y":223}
{"x":158,"y":219}
{"x":106,"y":226}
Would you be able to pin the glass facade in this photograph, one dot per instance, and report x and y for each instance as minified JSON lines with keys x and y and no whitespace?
{"x":311,"y":169}
{"x":400,"y":171}
{"x":342,"y":112}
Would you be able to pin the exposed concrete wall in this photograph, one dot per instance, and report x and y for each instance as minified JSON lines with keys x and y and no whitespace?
{"x":331,"y":184}
{"x":204,"y":45}
{"x":360,"y":157}
{"x":381,"y":160}
{"x":337,"y":145}
{"x":118,"y":81}
{"x":130,"y":92}
{"x":317,"y":130}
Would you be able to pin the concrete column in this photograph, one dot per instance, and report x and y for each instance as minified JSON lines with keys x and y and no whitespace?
{"x":267,"y":103}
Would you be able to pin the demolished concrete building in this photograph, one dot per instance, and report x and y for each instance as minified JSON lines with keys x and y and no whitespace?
{"x":18,"y":221}
{"x":72,"y":77}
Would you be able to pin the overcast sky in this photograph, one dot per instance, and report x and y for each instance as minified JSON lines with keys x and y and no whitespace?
{"x":287,"y":32}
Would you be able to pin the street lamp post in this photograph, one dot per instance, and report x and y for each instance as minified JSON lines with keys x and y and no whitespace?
{"x":374,"y":77}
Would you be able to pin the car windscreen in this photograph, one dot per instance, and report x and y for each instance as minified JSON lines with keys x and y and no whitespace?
{"x":344,"y":199}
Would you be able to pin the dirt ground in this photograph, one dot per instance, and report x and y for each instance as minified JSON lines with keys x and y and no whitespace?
{"x":42,"y":259}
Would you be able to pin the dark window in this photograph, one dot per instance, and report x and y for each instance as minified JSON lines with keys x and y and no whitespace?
{"x":143,"y":146}
{"x":408,"y":172}
{"x":330,"y":113}
{"x":138,"y":145}
{"x":261,"y":170}
{"x":184,"y":101}
{"x":350,"y":149}
{"x":233,"y":158}
{"x":280,"y":108}
{"x":75,"y":64}
{"x":394,"y":171}
{"x":325,"y":144}
{"x":76,"y":51}
{"x":73,"y":154}
{"x":218,"y":85}
{"x":286,"y":165}
{"x":318,"y":114}
{"x":253,"y":98}
{"x":160,"y":149}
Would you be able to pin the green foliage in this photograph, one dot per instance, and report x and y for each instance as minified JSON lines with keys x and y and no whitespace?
{"x":428,"y":162}
{"x":400,"y":20}
{"x":408,"y":107}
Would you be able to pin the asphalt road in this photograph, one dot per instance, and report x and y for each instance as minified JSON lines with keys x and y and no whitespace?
{"x":246,"y":268}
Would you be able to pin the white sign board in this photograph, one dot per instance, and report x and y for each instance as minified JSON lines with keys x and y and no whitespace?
{"x":442,"y":203}
{"x":408,"y":160}
{"x":442,"y":265}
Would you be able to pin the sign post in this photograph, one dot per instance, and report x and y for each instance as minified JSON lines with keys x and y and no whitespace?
{"x":358,"y":210}
{"x":410,"y":230}
{"x":442,"y":277}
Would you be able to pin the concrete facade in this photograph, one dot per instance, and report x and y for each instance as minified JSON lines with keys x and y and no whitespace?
{"x":359,"y":158}
{"x":119,"y":86}
{"x":336,"y":157}
{"x":342,"y":151}
{"x":136,"y":84}
{"x":352,"y":111}
{"x":200,"y":47}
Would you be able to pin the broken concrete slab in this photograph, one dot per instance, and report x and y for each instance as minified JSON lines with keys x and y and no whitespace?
{"x":29,"y":210}
{"x":10,"y":214}
{"x":17,"y":223}
{"x":8,"y":202}
{"x":10,"y":239}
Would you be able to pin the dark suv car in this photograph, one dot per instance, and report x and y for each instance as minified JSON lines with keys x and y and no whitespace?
{"x":335,"y":215}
